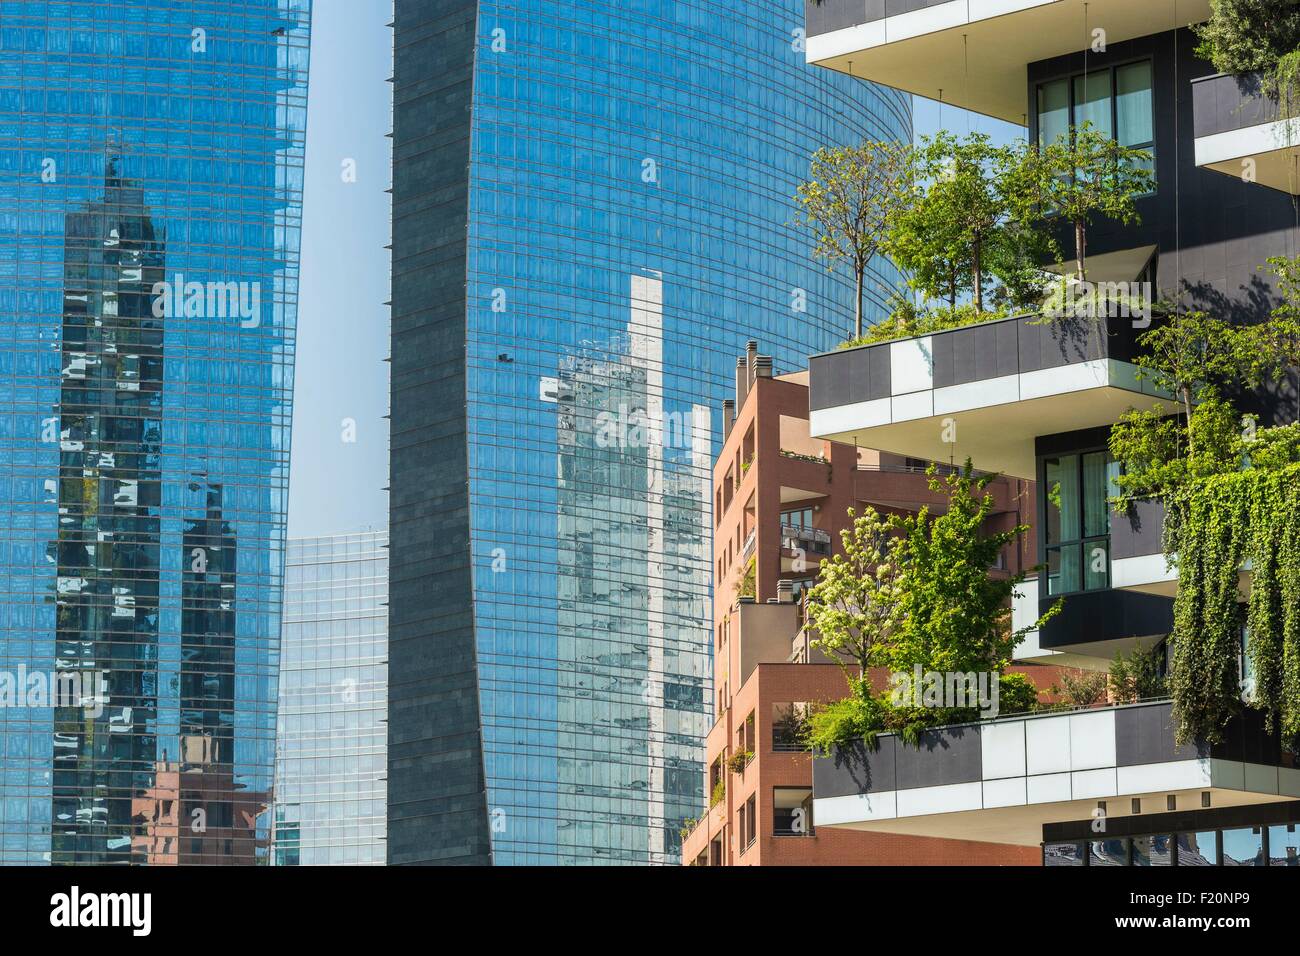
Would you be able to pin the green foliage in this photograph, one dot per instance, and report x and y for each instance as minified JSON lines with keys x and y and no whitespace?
{"x":719,"y":792}
{"x":1081,"y":689}
{"x":688,"y":827}
{"x":1136,"y":676}
{"x":860,"y":716}
{"x":1079,"y":178}
{"x":1016,"y":694}
{"x":856,"y":602}
{"x":1242,"y":36}
{"x":915,"y":590}
{"x":850,"y":197}
{"x":747,"y":585}
{"x":955,"y":616}
{"x":1223,"y":521}
{"x":738,"y":761}
{"x":959,"y":233}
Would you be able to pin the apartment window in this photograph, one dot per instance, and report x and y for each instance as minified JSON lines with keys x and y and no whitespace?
{"x":1118,"y":101}
{"x":1065,"y":854}
{"x":749,"y":822}
{"x":1198,"y":848}
{"x":792,"y":811}
{"x":1284,"y":845}
{"x":1243,"y":847}
{"x":789,"y":726}
{"x":1076,"y":526}
{"x":1154,"y":850}
{"x":1109,"y":852}
{"x":801,"y":518}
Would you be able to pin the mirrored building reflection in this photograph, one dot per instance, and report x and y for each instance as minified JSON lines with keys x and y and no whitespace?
{"x":330,"y":804}
{"x":150,"y":204}
{"x":549,"y":624}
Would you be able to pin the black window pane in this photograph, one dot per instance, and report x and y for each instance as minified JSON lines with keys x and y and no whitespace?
{"x":1109,"y":853}
{"x":1154,"y":850}
{"x":1244,"y":847}
{"x":1198,"y":849}
{"x":1064,"y":854}
{"x":1284,"y":845}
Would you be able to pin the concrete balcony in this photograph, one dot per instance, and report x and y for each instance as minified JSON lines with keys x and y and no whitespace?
{"x":1242,"y":133}
{"x":982,"y":392}
{"x":1137,"y":559}
{"x":1000,"y":781}
{"x":975,"y":51}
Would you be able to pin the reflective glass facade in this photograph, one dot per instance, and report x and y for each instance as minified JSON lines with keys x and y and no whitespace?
{"x":592,"y":214}
{"x":332,"y":738}
{"x":150,"y":201}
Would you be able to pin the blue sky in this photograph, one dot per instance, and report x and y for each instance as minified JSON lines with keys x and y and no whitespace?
{"x":336,"y":485}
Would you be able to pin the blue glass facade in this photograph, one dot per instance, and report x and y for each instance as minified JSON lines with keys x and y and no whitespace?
{"x":332,"y":739}
{"x":612,"y":184}
{"x":150,"y":202}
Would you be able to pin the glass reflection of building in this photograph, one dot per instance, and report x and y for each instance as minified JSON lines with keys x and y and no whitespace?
{"x":144,"y":433}
{"x":333,"y":736}
{"x":549,"y":642}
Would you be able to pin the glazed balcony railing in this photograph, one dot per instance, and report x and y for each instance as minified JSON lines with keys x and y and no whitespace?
{"x":813,"y":540}
{"x":1004,"y":778}
{"x":983,"y":391}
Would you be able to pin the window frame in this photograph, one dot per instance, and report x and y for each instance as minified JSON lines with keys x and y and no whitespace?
{"x":1070,"y":77}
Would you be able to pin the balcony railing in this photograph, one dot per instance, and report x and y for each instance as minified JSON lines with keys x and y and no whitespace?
{"x":807,"y":539}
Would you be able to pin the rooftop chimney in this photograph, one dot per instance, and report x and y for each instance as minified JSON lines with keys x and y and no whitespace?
{"x":785,"y":591}
{"x":762,"y":366}
{"x":728,"y":417}
{"x":742,"y":381}
{"x":751,"y":353}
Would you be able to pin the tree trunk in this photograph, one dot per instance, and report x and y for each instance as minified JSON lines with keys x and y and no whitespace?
{"x":857,"y":303}
{"x":977,"y":274}
{"x":1080,"y":250}
{"x":1187,"y":408}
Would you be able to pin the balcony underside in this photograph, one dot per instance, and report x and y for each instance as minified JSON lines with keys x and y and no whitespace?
{"x":1152,"y":574}
{"x":974,"y":53}
{"x":1023,"y":825}
{"x":1000,"y":780}
{"x":1268,"y":154}
{"x":993,"y":422}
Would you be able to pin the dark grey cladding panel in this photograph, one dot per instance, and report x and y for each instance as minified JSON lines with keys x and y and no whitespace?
{"x":976,"y":354}
{"x":1146,"y":735}
{"x":856,"y":769}
{"x":1245,"y":738}
{"x":831,"y":15}
{"x":1062,"y":342}
{"x":946,"y":756}
{"x":1138,"y":532}
{"x":847,"y":377}
{"x":1221,"y":104}
{"x":1090,"y":617}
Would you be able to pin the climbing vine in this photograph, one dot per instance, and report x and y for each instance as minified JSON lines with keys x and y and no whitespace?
{"x":1221,"y":526}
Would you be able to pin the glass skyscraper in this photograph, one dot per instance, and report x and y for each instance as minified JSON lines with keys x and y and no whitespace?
{"x":592,"y":213}
{"x":150,"y":202}
{"x":332,"y":738}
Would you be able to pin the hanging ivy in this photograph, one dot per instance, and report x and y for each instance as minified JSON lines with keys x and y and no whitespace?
{"x":1218,"y":526}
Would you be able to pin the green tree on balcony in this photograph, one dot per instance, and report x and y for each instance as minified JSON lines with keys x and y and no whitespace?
{"x":1256,"y":36}
{"x":962,"y":229}
{"x":1078,"y":178}
{"x":847,"y":203}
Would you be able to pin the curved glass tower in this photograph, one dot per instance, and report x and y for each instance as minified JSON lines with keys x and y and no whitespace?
{"x":150,"y":201}
{"x":592,"y":213}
